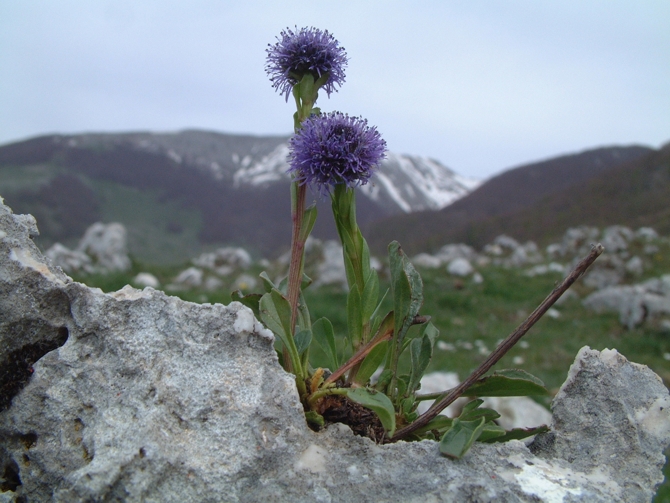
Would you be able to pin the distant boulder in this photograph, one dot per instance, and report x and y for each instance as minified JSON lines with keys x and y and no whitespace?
{"x":144,"y":279}
{"x":102,"y":249}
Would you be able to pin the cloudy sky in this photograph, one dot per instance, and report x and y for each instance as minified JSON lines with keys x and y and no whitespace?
{"x":481,"y":86}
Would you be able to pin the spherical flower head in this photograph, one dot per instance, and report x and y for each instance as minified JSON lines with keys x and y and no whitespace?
{"x":306,"y":51}
{"x":333,"y":149}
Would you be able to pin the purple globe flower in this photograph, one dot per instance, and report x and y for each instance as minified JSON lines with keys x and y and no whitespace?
{"x":307,"y":51}
{"x":334,"y":148}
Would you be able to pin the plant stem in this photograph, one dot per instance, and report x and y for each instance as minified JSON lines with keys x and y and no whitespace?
{"x":325,"y":392}
{"x":358,"y":357}
{"x":504,"y":346}
{"x":297,"y":254}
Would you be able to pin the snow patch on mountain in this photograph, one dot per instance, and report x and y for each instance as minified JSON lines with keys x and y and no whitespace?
{"x":410,"y":183}
{"x":269,"y":169}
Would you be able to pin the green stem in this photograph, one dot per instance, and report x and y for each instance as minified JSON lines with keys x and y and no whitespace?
{"x":325,"y":392}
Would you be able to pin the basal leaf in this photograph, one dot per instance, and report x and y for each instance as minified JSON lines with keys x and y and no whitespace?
{"x":268,"y":285}
{"x":303,"y":340}
{"x":354,"y":316}
{"x":507,"y":383}
{"x":439,"y":423}
{"x":370,"y":295}
{"x":491,"y":433}
{"x":459,"y":438}
{"x":378,"y":403}
{"x":371,"y":363}
{"x":431,"y":331}
{"x":421,"y":351}
{"x":475,"y":414}
{"x":384,"y":379}
{"x":271,"y":318}
{"x":471,"y":405}
{"x":251,"y":300}
{"x":518,"y":434}
{"x":315,"y":418}
{"x":322,"y":331}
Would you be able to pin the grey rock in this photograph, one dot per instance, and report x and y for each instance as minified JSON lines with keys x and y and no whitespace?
{"x":143,"y":279}
{"x":616,"y":238}
{"x":71,"y":261}
{"x":224,"y":259}
{"x":154,"y":399}
{"x":426,"y":261}
{"x":330,"y":269}
{"x":107,"y":245}
{"x":460,"y":267}
{"x":646,"y":234}
{"x":506,"y":242}
{"x":188,"y":278}
{"x":552,"y":267}
{"x":638,"y":421}
{"x":635,"y":266}
{"x":634,"y":303}
{"x":453,"y":251}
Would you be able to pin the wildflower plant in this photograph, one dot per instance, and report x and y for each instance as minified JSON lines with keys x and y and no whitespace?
{"x":334,"y":153}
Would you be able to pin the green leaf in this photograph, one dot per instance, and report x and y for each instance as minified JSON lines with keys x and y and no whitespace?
{"x":315,"y":418}
{"x":322,"y":330}
{"x":507,"y":383}
{"x":407,"y":289}
{"x":268,"y":285}
{"x":251,"y":300}
{"x":491,"y":432}
{"x":475,"y":414}
{"x":303,"y":340}
{"x":365,"y":256}
{"x":371,"y":363}
{"x":378,"y":403}
{"x":275,"y":312}
{"x":421,"y":351}
{"x":439,"y":423}
{"x":308,"y":220}
{"x":471,"y":405}
{"x":384,"y":379}
{"x":431,"y":331}
{"x":354,"y":316}
{"x":406,"y":405}
{"x":459,"y":438}
{"x":304,"y":321}
{"x":370,"y":295}
{"x":518,"y":434}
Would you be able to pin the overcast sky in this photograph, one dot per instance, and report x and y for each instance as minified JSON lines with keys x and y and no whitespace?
{"x":479,"y":85}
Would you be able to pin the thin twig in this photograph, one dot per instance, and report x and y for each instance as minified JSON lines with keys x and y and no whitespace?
{"x":503,"y":347}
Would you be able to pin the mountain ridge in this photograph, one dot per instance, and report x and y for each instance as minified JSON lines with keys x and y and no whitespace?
{"x":238,"y":183}
{"x":507,"y":202}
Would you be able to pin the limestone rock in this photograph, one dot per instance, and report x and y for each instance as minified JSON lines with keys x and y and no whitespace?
{"x":603,"y":435}
{"x":107,"y":245}
{"x":330,"y":269}
{"x":146,"y":279}
{"x":71,"y":261}
{"x":136,"y":396}
{"x":460,"y":267}
{"x":635,"y":304}
{"x":224,"y":260}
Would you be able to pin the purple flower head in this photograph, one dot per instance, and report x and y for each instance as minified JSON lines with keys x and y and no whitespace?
{"x":334,"y":148}
{"x":306,"y":51}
